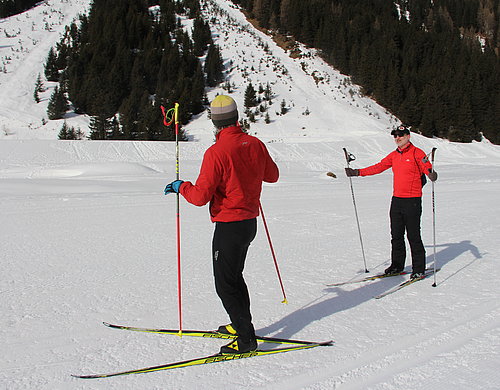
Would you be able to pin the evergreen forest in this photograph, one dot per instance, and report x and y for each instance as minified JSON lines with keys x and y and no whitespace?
{"x":13,"y":7}
{"x":433,"y":64}
{"x":125,"y":59}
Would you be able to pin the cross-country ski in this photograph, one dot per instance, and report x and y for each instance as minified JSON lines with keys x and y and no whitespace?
{"x":370,"y":278}
{"x":217,"y":358}
{"x":207,"y":334}
{"x":405,"y":284}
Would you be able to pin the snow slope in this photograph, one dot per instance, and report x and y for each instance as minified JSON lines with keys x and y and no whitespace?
{"x":25,"y":41}
{"x":88,"y":236}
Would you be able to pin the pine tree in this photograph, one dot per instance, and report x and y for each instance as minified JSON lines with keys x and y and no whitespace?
{"x":68,"y":133}
{"x":13,"y":7}
{"x":214,"y":66}
{"x":58,"y":104}
{"x":201,"y":36}
{"x":283,"y":107}
{"x":99,"y":127}
{"x":51,"y":69}
{"x":64,"y":132}
{"x":250,"y":96}
{"x":197,"y":92}
{"x":268,"y":93}
{"x":245,"y":125}
{"x":39,"y":88}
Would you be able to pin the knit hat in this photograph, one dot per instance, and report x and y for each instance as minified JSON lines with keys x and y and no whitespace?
{"x":224,"y":111}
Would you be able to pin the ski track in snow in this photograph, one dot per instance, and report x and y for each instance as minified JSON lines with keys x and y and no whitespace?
{"x":409,"y":361}
{"x":445,"y":336}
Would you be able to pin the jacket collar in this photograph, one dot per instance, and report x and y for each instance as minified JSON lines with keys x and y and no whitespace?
{"x":406,"y":149}
{"x":229,"y":130}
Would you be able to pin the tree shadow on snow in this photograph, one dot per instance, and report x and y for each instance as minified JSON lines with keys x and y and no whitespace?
{"x":336,"y":299}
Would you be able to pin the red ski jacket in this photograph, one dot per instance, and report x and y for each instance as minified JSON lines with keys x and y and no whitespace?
{"x":407,"y":167}
{"x":231,"y":176}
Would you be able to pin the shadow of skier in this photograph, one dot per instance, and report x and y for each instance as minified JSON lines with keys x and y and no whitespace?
{"x":327,"y":305}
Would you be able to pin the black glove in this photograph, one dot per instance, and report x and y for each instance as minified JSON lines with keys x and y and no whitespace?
{"x":433,"y":176}
{"x":351,"y":172}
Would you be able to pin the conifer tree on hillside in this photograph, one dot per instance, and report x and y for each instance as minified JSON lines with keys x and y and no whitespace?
{"x":100,"y":127}
{"x":250,"y":96}
{"x":39,"y":88}
{"x":214,"y":66}
{"x":420,"y":69}
{"x":64,"y":133}
{"x":268,"y":93}
{"x":69,"y":133}
{"x":51,"y":69}
{"x":202,"y":36}
{"x":121,"y":63}
{"x":197,"y":92}
{"x":13,"y":7}
{"x":58,"y":104}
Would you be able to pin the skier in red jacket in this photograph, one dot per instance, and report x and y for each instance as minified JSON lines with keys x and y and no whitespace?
{"x":230,"y":178}
{"x":408,"y":164}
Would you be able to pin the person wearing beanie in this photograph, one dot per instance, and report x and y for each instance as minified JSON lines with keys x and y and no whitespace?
{"x":230,"y":178}
{"x":409,"y":165}
{"x":224,"y":112}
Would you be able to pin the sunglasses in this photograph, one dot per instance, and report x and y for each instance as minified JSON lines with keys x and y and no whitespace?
{"x":397,"y":134}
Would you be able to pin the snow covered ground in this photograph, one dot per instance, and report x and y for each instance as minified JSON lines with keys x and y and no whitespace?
{"x":88,"y":236}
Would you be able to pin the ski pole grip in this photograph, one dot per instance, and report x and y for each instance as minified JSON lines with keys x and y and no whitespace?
{"x":346,"y":155}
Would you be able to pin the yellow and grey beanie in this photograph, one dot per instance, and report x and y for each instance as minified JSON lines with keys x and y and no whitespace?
{"x":224,"y":111}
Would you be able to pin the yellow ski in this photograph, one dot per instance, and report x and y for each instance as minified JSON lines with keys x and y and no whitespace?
{"x":205,"y":360}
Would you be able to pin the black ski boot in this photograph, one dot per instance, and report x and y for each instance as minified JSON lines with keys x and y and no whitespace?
{"x":239,"y":345}
{"x":417,"y":275}
{"x":393,"y":270}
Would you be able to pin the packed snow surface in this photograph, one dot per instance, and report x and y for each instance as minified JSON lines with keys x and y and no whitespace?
{"x":88,"y":236}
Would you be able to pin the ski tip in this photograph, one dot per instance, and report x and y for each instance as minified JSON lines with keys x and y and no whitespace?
{"x":88,"y":376}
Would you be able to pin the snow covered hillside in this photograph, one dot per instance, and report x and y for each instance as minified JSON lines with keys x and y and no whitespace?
{"x":88,"y":236}
{"x":25,"y":41}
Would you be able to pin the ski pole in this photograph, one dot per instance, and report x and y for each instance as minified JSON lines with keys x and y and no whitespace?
{"x":433,"y":218}
{"x":350,"y":157}
{"x":175,"y":118}
{"x":273,"y":254}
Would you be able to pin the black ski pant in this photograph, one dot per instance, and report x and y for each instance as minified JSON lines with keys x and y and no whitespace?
{"x":229,"y":250}
{"x":405,"y":215}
